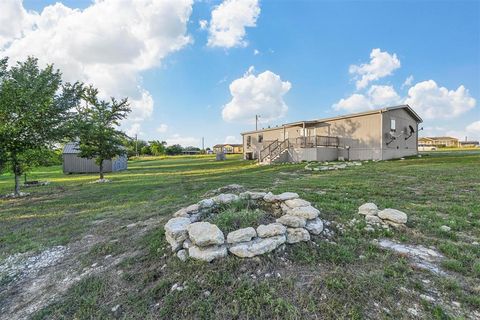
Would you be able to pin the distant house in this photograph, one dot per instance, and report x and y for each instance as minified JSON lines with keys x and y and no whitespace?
{"x":381,"y":134}
{"x":439,"y":141}
{"x":228,"y":148}
{"x":469,"y":144}
{"x":72,"y":163}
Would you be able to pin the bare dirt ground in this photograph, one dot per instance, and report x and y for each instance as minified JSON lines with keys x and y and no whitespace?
{"x":30,"y":281}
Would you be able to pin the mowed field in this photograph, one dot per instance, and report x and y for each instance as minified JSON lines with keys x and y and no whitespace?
{"x":114,"y":262}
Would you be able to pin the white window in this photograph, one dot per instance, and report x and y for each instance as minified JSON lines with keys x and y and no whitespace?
{"x":392,"y":125}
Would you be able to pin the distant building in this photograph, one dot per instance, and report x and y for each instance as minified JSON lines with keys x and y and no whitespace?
{"x":469,"y":144}
{"x":382,"y":134}
{"x":228,"y":148}
{"x":72,"y":163}
{"x":439,"y":141}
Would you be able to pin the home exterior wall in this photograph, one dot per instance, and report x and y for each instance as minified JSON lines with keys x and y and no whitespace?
{"x":361,"y":137}
{"x":399,"y":147}
{"x":361,"y":134}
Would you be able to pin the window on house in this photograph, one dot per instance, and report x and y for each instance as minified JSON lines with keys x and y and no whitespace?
{"x":249,"y":141}
{"x":392,"y":125}
{"x":260,"y":138}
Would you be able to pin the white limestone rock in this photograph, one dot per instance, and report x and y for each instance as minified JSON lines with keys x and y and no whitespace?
{"x":292,"y":221}
{"x":250,"y":195}
{"x":368,"y":209}
{"x":295,"y":235}
{"x":293,"y":203}
{"x":204,"y":234}
{"x":314,"y":226}
{"x":287,"y":196}
{"x":371,"y":219}
{"x":393,"y":215}
{"x":176,"y":231}
{"x":257,"y":246}
{"x":270,"y":197}
{"x":207,"y":254}
{"x":305,"y":212}
{"x":182,"y":255}
{"x":187,"y":244}
{"x":186,"y":212}
{"x":225,"y":198}
{"x":270,"y":230}
{"x":206,"y":204}
{"x":241,"y":235}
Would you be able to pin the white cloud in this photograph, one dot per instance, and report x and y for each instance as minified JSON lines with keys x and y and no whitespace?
{"x":14,"y":21}
{"x":432,"y":101}
{"x":203,"y":24}
{"x":376,"y":97}
{"x":383,"y":96}
{"x":256,"y":52}
{"x":229,"y":20}
{"x":381,"y":64}
{"x":261,"y":94}
{"x":408,"y":82}
{"x":107,"y":44}
{"x":133,"y":130}
{"x":162,"y":128}
{"x":183,"y":141}
{"x":356,"y":102}
{"x":233,"y":140}
{"x":474,"y":129}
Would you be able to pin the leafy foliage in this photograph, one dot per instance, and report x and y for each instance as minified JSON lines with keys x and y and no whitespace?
{"x":35,"y":113}
{"x":97,"y":127}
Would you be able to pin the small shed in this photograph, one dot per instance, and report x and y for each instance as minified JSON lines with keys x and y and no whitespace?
{"x":72,"y":163}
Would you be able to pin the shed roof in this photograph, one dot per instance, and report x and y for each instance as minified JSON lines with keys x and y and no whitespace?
{"x":71,"y":148}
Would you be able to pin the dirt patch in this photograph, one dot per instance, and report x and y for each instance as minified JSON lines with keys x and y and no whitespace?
{"x":30,"y":282}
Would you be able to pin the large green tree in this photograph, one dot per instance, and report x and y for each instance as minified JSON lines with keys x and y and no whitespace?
{"x":157,"y":147}
{"x":97,"y":127}
{"x":35,"y":110}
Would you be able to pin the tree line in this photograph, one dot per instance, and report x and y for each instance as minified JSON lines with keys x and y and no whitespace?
{"x":38,"y":111}
{"x":156,"y":148}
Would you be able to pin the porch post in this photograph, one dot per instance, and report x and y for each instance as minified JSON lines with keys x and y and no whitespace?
{"x":304,"y":136}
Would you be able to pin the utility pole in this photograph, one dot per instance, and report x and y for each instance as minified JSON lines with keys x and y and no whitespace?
{"x":256,"y":121}
{"x":203,"y":143}
{"x":136,"y":145}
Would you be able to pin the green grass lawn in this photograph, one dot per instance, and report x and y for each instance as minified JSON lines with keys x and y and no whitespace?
{"x":350,"y":278}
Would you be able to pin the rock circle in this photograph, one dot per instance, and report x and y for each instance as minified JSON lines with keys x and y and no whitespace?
{"x":190,"y":236}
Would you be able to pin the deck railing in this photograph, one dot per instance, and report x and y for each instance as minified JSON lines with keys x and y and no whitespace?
{"x":315,"y":141}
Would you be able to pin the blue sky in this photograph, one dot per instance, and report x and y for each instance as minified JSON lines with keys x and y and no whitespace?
{"x":301,"y":53}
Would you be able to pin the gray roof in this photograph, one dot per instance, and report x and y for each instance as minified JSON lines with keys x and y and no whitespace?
{"x":71,"y":147}
{"x":405,"y":106}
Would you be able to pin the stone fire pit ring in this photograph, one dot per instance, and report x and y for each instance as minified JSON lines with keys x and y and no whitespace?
{"x":190,"y":236}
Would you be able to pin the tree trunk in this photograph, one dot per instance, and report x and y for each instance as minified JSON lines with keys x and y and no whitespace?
{"x":101,"y":169}
{"x":17,"y":184}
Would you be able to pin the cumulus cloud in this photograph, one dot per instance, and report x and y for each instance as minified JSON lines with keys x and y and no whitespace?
{"x":408,"y":82}
{"x":162,"y":128}
{"x":14,"y":21}
{"x":381,"y":64}
{"x":474,"y":128}
{"x":107,"y":44}
{"x":203,"y":24}
{"x":229,"y":20}
{"x":432,"y":101}
{"x":260,"y":94}
{"x":376,"y":97}
{"x":184,"y":141}
{"x":233,"y":140}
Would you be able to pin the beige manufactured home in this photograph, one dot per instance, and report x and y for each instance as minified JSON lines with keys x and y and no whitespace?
{"x":382,"y":134}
